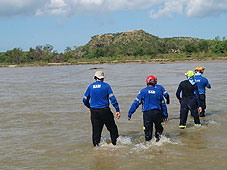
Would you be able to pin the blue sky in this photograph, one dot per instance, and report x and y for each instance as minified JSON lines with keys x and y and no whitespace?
{"x":63,"y":23}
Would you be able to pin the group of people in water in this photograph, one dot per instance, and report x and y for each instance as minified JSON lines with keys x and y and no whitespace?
{"x":190,"y":93}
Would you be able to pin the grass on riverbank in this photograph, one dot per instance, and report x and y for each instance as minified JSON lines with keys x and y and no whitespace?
{"x":159,"y":58}
{"x":163,"y":58}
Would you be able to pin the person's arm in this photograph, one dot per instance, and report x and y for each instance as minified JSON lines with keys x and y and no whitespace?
{"x":167,"y":98}
{"x":135,"y":105}
{"x":114,"y":102}
{"x":164,"y":108}
{"x":166,"y":95}
{"x":86,"y":97}
{"x":113,"y":99}
{"x":197,"y":95}
{"x":208,"y":84}
{"x":198,"y":99}
{"x":179,"y":89}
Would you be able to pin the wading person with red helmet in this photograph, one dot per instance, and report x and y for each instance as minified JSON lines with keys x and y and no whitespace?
{"x":153,"y":106}
{"x":188,"y":96}
{"x":99,"y":93}
{"x":202,"y":84}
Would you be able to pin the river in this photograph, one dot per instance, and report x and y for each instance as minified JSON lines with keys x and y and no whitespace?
{"x":44,"y":124}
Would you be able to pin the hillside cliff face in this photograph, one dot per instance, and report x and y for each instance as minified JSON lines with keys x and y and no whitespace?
{"x":135,"y":43}
{"x":123,"y":38}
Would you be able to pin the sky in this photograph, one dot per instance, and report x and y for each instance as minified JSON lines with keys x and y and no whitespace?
{"x":70,"y":23}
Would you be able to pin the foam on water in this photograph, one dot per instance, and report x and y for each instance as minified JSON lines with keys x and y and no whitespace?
{"x":126,"y":141}
{"x":122,"y":141}
{"x":204,"y":124}
{"x":153,"y":143}
{"x":209,"y":123}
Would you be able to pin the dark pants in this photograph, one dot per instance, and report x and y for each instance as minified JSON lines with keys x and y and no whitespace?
{"x":150,"y":117}
{"x":202,"y":98}
{"x":186,"y":105}
{"x":100,"y":117}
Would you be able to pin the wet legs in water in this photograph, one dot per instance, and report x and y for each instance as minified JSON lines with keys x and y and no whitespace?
{"x":186,"y":105}
{"x":99,"y":118}
{"x":203,"y":104}
{"x":150,"y":117}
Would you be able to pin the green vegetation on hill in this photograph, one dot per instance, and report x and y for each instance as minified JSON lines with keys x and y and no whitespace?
{"x":121,"y":47}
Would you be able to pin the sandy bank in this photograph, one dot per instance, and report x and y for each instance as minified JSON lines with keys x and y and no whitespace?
{"x":151,"y":61}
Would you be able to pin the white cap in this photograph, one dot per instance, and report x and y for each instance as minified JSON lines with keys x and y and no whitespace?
{"x":99,"y":74}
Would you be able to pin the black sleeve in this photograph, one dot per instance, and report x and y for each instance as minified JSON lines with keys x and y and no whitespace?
{"x":167,"y":99}
{"x":197,"y":95}
{"x":179,"y":89}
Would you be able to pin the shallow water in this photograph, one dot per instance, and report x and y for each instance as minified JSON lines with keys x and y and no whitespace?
{"x":44,"y":125}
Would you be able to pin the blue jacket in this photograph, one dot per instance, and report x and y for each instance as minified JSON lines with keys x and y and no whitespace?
{"x":163,"y":91}
{"x":150,"y":98}
{"x":100,"y":93}
{"x":202,"y":82}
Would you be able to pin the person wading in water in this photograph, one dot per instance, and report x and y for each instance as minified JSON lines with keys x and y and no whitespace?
{"x":189,"y":100}
{"x":202,"y":83}
{"x":153,"y":106}
{"x":99,"y":93}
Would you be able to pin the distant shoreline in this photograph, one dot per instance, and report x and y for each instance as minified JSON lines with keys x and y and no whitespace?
{"x":140,"y":61}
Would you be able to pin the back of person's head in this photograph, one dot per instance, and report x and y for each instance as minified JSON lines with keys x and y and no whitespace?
{"x":99,"y":75}
{"x":151,"y":80}
{"x":199,"y":69}
{"x":189,"y":74}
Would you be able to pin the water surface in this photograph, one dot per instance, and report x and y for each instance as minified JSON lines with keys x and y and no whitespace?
{"x":44,"y":125}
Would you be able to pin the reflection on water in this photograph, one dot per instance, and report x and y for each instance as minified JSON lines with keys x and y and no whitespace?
{"x":44,"y":124}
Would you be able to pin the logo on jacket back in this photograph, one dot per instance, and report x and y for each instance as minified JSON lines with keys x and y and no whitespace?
{"x":151,"y":91}
{"x":197,"y":80}
{"x":96,"y":86}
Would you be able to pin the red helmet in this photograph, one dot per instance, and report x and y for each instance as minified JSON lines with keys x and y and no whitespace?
{"x":151,"y":80}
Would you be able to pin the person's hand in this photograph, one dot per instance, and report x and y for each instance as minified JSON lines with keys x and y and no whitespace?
{"x":129,"y":118}
{"x":118,"y":115}
{"x":166,"y":119}
{"x":180,"y":101}
{"x":199,"y":110}
{"x":167,"y":101}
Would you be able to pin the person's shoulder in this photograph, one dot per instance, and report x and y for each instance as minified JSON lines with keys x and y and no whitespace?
{"x":197,"y":76}
{"x":204,"y":78}
{"x":91,"y":84}
{"x":143,"y":89}
{"x":184,"y":81}
{"x":158,"y":86}
{"x":105,"y":84}
{"x":158,"y":91}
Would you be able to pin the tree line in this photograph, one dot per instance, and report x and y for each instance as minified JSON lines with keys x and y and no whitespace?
{"x":125,"y":47}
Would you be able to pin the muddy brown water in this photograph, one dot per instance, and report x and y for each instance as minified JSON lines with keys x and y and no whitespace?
{"x":44,"y":125}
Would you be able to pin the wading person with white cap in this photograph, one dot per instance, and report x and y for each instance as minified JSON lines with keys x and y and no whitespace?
{"x":97,"y":98}
{"x":189,"y":100}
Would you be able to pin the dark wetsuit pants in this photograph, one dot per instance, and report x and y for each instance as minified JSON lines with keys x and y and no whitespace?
{"x":202,"y":100}
{"x":99,"y":118}
{"x":150,"y":117}
{"x":186,"y":105}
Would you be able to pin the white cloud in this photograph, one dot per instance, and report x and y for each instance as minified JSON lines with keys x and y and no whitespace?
{"x":19,"y":7}
{"x":190,"y":8}
{"x":204,"y":8}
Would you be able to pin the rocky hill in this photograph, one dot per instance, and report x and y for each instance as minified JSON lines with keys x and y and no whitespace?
{"x":129,"y":45}
{"x":135,"y":43}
